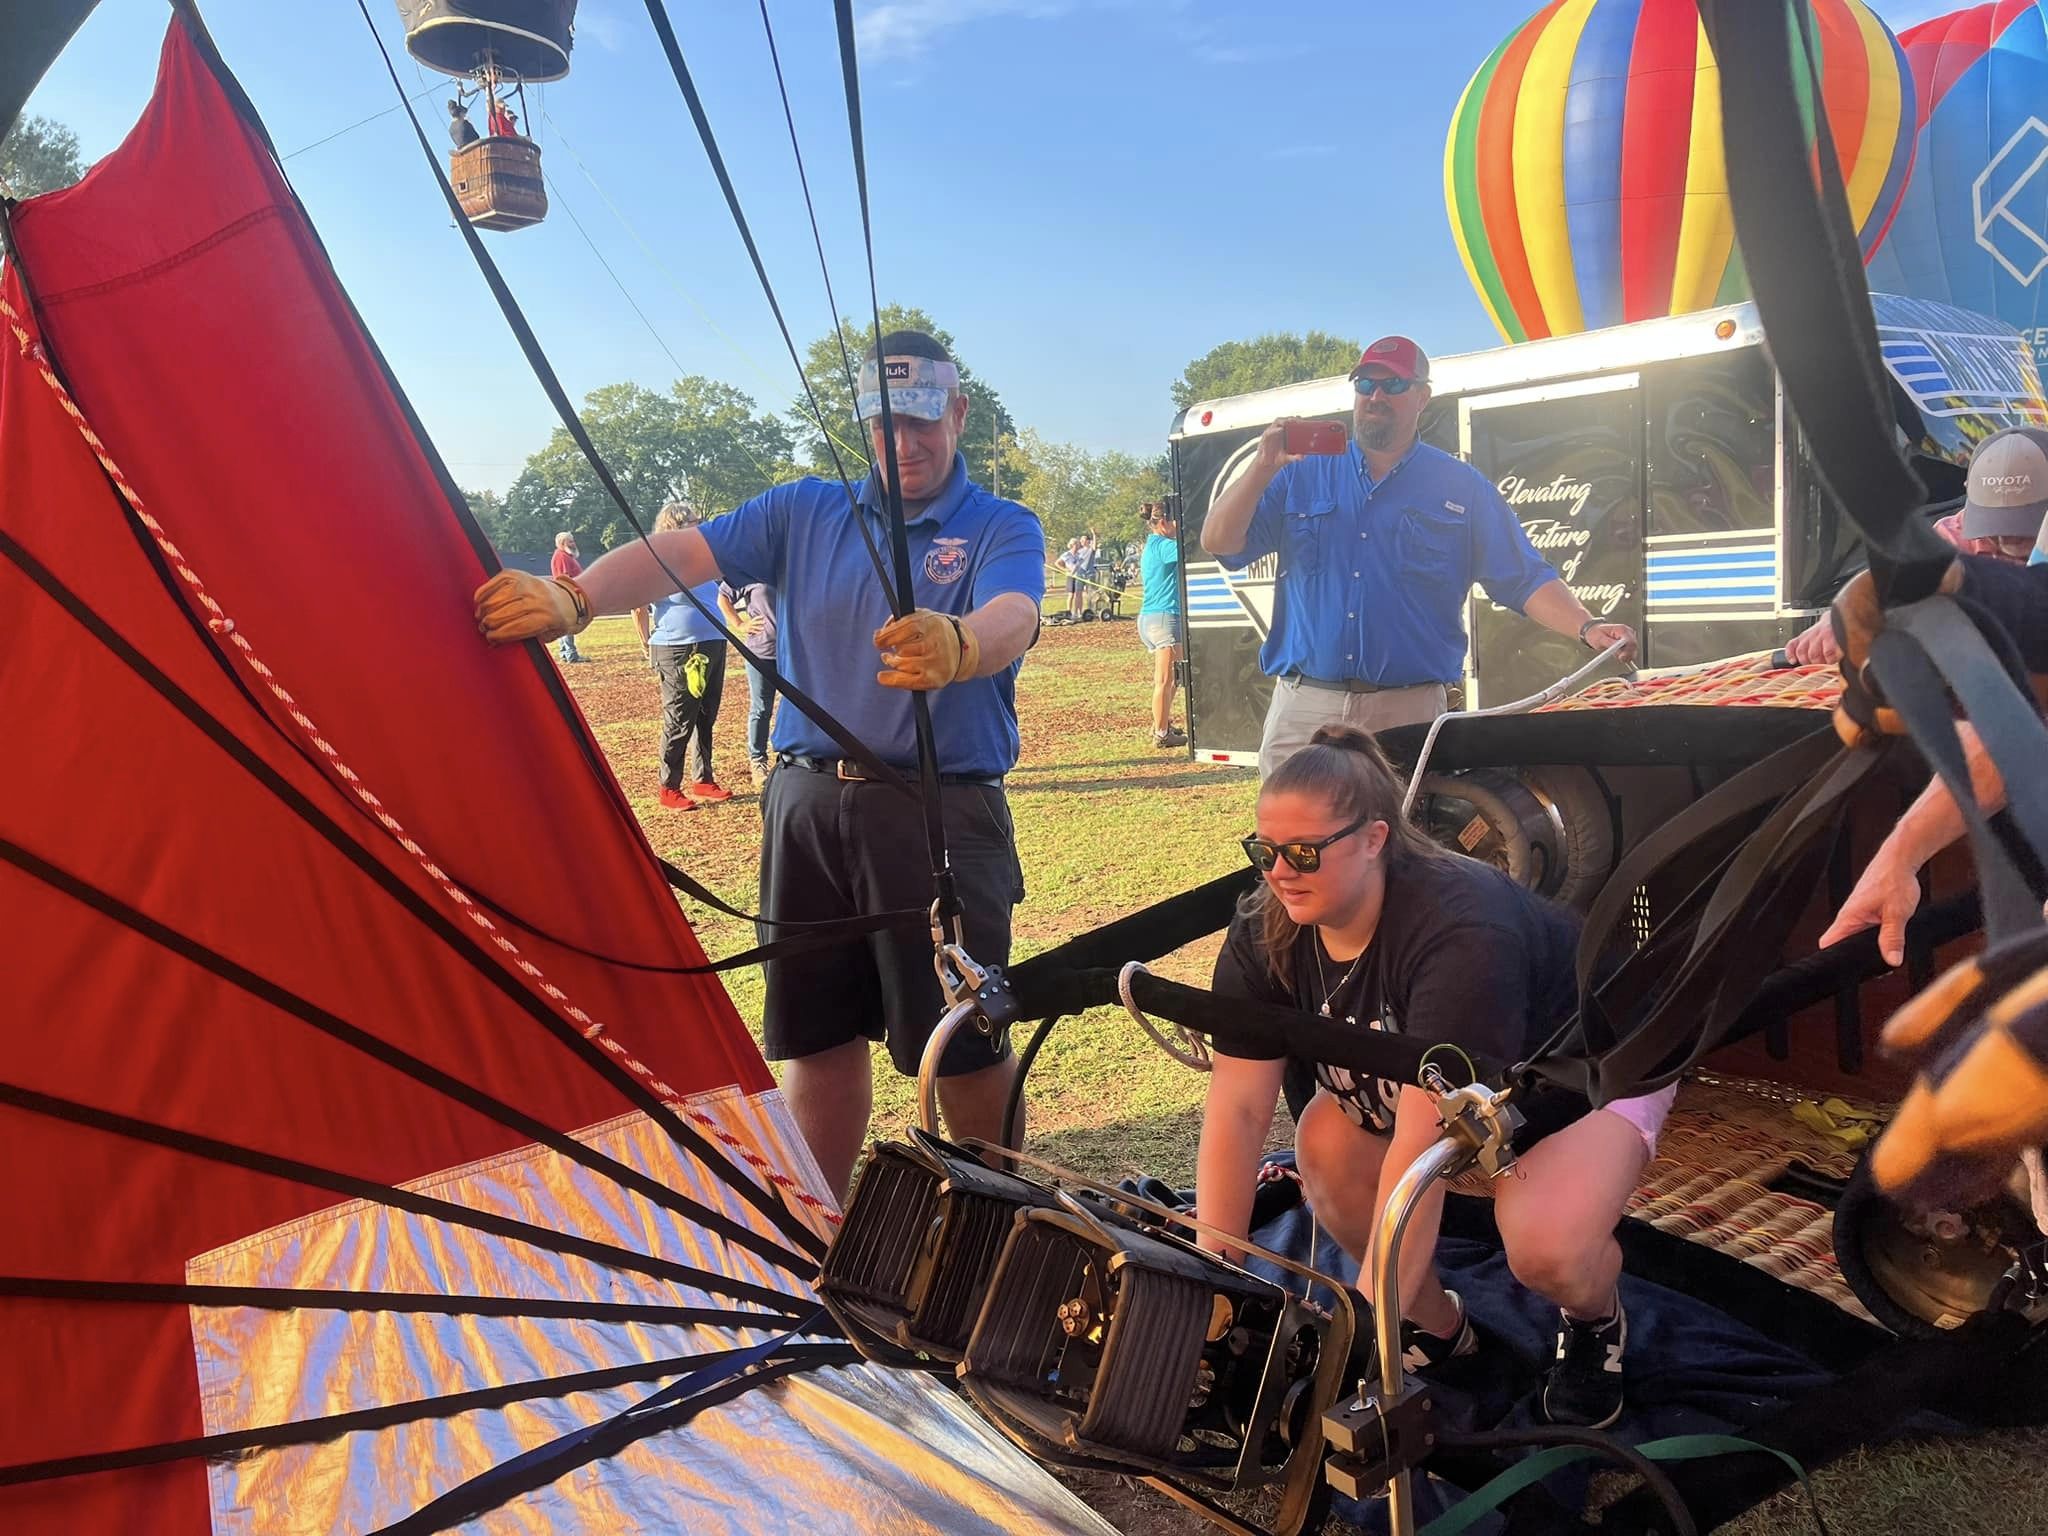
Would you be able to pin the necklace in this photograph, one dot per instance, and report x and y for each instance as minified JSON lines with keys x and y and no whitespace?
{"x":1323,"y":980}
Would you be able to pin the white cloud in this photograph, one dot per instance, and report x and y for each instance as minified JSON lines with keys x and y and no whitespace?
{"x":602,"y":27}
{"x":903,"y":29}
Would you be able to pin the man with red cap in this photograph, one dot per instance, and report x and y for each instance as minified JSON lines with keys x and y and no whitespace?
{"x":1379,"y":547}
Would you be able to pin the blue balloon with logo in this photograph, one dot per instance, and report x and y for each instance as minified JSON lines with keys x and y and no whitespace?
{"x":1972,"y":229}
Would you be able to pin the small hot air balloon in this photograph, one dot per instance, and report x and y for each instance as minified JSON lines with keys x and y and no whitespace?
{"x":1584,"y":173}
{"x":1972,"y":229}
{"x":493,"y":47}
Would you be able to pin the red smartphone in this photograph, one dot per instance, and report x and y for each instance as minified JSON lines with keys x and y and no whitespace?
{"x":1317,"y":437}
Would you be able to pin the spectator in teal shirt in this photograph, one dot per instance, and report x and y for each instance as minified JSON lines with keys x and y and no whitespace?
{"x":1159,"y":617}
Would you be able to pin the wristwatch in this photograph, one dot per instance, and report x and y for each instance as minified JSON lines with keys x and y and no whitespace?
{"x":1586,"y":626}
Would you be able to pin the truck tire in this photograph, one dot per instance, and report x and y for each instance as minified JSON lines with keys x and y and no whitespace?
{"x":1494,"y":817}
{"x":1581,"y":807}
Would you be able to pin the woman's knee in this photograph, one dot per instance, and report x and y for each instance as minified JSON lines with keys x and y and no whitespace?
{"x":1335,"y":1156}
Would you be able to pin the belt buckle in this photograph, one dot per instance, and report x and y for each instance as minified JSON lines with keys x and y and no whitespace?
{"x":848,"y":772}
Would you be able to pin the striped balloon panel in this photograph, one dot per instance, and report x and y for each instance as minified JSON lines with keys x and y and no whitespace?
{"x":1972,"y":229}
{"x":1584,"y":173}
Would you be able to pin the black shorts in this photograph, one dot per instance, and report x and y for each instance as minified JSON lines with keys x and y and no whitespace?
{"x":837,"y":848}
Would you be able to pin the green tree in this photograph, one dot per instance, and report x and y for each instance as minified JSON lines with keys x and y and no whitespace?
{"x":38,"y":155}
{"x":702,"y":441}
{"x":987,"y":420}
{"x":1074,"y":491}
{"x":1264,"y":362}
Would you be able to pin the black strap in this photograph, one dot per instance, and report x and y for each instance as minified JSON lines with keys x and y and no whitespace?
{"x":230,"y":1154}
{"x":945,"y":893}
{"x":538,"y":1468}
{"x":293,"y":1298}
{"x":447,"y":1084}
{"x":1805,"y":268}
{"x":551,"y":385}
{"x":1156,"y":930}
{"x":456,"y":938}
{"x":333,"y":1426}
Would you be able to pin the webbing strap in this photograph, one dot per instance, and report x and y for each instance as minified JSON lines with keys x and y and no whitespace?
{"x":273,"y":1165}
{"x":946,"y":907}
{"x":551,"y":386}
{"x":1531,"y":1470}
{"x":1805,"y":268}
{"x":736,"y":1370}
{"x":333,"y":1426}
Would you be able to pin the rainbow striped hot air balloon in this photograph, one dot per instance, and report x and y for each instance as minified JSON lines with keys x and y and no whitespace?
{"x":1973,"y":229}
{"x":1584,"y":172}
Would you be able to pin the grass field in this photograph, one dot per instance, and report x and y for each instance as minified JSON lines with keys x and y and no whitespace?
{"x":1105,"y":825}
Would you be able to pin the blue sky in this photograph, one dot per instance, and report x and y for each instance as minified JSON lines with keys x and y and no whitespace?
{"x":1087,"y":193}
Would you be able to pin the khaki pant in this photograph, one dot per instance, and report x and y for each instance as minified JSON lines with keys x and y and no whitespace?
{"x":1298,"y":711}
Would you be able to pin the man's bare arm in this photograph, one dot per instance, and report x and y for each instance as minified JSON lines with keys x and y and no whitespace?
{"x":630,"y":576}
{"x":1005,"y":625}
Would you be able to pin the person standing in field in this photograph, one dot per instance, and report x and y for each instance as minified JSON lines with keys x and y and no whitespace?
{"x":687,"y":652}
{"x":750,"y":613}
{"x":564,"y":563}
{"x":1159,"y":618}
{"x":835,"y":842}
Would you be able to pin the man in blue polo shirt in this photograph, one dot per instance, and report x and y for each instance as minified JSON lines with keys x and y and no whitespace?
{"x":1379,"y":547}
{"x":834,"y":845}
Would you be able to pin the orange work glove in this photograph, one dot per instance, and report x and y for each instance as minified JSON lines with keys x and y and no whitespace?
{"x":925,"y":650}
{"x":1861,"y":716}
{"x":514,"y":606}
{"x":1980,"y":1033}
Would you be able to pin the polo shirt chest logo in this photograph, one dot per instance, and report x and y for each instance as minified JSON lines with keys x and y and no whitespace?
{"x":946,"y":561}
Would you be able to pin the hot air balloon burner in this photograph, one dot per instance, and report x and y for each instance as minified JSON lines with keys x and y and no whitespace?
{"x":1107,"y":1339}
{"x":906,"y":1273}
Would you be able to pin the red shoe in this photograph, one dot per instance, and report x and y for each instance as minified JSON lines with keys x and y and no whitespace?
{"x":675,"y":800}
{"x":709,"y":792}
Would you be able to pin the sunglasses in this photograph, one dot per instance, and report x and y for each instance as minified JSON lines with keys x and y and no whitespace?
{"x":1303,"y":858}
{"x":1367,"y":384}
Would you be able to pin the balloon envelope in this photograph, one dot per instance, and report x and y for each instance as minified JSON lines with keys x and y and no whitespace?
{"x":1972,"y":229}
{"x":1584,"y":174}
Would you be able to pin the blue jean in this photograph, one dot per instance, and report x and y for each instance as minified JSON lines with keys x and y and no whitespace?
{"x":566,"y":649}
{"x":760,"y":714}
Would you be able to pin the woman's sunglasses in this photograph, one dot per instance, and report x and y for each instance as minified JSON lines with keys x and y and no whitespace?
{"x":1304,"y":858}
{"x":1367,"y":383}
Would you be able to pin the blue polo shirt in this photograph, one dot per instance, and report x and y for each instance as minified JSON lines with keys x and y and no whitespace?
{"x":965,"y":548}
{"x":677,"y":622}
{"x":1373,"y":576}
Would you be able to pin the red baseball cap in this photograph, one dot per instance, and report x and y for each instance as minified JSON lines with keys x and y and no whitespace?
{"x":1399,"y":356}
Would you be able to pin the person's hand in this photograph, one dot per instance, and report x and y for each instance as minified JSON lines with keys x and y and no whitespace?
{"x":1602,"y":635}
{"x":1980,"y":1033}
{"x":1815,"y":645}
{"x":1861,"y":716}
{"x":514,"y":606}
{"x":1884,"y":898}
{"x":746,"y":624}
{"x":647,"y":653}
{"x":925,"y":650}
{"x":1273,"y":455}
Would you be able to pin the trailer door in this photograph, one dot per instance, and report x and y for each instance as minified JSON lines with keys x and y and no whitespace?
{"x":1568,"y":459}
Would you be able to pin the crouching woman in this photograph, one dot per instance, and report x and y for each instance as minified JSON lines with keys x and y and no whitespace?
{"x":1362,"y":919}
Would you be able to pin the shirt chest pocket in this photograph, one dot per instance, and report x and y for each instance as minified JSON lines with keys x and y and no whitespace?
{"x":1308,"y":535}
{"x":1433,"y":543}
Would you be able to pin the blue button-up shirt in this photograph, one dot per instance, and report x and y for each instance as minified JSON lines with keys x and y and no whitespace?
{"x":965,"y":548}
{"x":1373,"y":576}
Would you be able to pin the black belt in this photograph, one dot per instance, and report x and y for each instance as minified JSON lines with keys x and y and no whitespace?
{"x":1352,"y":685}
{"x":847,"y":769}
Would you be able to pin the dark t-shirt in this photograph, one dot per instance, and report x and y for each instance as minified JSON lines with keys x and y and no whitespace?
{"x":1462,"y":954}
{"x":2017,"y":596}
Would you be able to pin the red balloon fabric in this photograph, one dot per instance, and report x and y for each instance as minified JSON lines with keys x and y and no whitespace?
{"x":163,"y":815}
